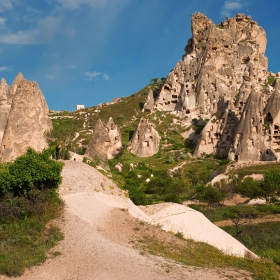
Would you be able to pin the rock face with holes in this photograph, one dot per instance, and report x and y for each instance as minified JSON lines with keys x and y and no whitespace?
{"x":105,"y":142}
{"x":223,"y":77}
{"x":23,"y":118}
{"x":145,"y":140}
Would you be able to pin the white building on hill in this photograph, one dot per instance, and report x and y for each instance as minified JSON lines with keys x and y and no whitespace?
{"x":79,"y":107}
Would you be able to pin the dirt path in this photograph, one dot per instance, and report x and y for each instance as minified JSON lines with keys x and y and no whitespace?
{"x":99,"y":237}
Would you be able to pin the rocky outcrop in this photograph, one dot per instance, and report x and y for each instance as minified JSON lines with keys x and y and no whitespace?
{"x":105,"y":142}
{"x":223,"y":77}
{"x":5,"y":106}
{"x":150,"y":103}
{"x":23,"y":118}
{"x":115,"y":137}
{"x":145,"y":140}
{"x":221,"y":63}
{"x":217,"y":135}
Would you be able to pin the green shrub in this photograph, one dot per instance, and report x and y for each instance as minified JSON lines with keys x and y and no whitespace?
{"x":212,"y":195}
{"x":250,"y":188}
{"x":31,"y":171}
{"x":270,"y":186}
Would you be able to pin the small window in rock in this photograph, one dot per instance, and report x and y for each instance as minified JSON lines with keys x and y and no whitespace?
{"x":268,"y":118}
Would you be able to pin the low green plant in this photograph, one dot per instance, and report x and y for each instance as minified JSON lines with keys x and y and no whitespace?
{"x":24,"y":237}
{"x":263,"y":239}
{"x":200,"y":254}
{"x":28,"y":202}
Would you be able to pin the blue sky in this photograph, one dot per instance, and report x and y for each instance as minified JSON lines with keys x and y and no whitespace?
{"x":91,"y":51}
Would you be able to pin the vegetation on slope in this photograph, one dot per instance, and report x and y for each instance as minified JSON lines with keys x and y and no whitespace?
{"x":152,"y":240}
{"x":171,"y":174}
{"x":28,"y":202}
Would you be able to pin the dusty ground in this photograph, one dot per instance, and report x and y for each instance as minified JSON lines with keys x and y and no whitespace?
{"x":102,"y":240}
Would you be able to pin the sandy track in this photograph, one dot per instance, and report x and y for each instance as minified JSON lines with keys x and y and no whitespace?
{"x":98,"y":237}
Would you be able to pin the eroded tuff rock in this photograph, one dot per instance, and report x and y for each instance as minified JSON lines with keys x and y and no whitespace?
{"x":145,"y":140}
{"x":221,"y":63}
{"x":23,"y":118}
{"x":223,"y":77}
{"x":150,"y":103}
{"x":105,"y":142}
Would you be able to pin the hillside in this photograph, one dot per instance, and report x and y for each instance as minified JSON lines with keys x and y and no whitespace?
{"x":103,"y":239}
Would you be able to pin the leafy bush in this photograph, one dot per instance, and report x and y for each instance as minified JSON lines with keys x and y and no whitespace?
{"x":28,"y":201}
{"x":250,"y":188}
{"x":31,"y":171}
{"x":132,"y":184}
{"x":270,"y":186}
{"x":212,"y":195}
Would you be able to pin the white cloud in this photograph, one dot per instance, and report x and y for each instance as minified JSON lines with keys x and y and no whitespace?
{"x":7,"y":5}
{"x":5,"y":68}
{"x":91,"y":75}
{"x":75,"y":4}
{"x":2,"y":23}
{"x":42,"y":33}
{"x":51,"y":77}
{"x":95,"y":74}
{"x":230,"y":6}
{"x":106,"y":77}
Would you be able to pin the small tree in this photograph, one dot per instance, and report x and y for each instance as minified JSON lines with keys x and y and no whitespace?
{"x":270,"y":186}
{"x":250,"y":188}
{"x":154,"y":80}
{"x":235,"y":215}
{"x":212,"y":195}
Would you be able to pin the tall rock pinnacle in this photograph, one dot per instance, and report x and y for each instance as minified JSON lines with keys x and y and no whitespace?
{"x":23,"y":119}
{"x":224,"y":73}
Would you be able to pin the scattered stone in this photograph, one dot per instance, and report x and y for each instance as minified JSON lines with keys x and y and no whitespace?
{"x":119,"y":167}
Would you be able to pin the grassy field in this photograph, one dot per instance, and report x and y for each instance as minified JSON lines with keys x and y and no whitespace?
{"x":152,"y":240}
{"x":256,"y":169}
{"x":222,"y":213}
{"x":263,"y":239}
{"x":25,"y":241}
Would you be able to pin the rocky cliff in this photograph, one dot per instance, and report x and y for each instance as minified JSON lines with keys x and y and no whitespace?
{"x":223,"y":77}
{"x":23,"y":118}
